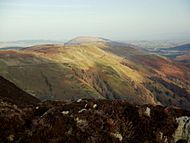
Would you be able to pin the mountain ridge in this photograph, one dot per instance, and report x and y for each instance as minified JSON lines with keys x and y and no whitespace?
{"x":97,"y":70}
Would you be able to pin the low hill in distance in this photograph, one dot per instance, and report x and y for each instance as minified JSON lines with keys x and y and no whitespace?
{"x":158,"y":44}
{"x":86,"y":39}
{"x":10,"y":45}
{"x":179,"y":53}
{"x":185,"y":47}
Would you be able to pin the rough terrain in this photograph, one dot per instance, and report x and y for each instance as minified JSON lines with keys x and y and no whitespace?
{"x":92,"y":121}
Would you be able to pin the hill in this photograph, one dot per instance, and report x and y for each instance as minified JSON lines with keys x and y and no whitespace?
{"x":185,"y":47}
{"x":9,"y":45}
{"x":179,"y":53}
{"x":158,"y":44}
{"x":24,"y":118}
{"x":101,"y":69}
{"x":86,"y":39}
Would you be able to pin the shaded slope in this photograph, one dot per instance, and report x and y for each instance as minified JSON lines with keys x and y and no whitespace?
{"x":11,"y":93}
{"x":184,"y":58}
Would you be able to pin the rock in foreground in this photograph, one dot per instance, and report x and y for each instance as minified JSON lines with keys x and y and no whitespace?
{"x":92,"y":121}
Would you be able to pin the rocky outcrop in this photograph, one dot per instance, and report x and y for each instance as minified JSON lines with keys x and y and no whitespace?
{"x":91,"y":121}
{"x":183,"y":130}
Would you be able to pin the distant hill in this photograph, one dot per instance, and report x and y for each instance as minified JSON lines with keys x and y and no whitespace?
{"x":158,"y":44}
{"x":86,"y":39}
{"x":179,"y":53}
{"x":185,"y":47}
{"x":11,"y":48}
{"x":25,"y":43}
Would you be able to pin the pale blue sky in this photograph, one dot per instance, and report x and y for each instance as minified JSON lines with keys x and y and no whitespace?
{"x":114,"y":19}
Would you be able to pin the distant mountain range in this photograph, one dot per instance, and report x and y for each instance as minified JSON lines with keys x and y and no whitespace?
{"x":179,"y":53}
{"x":185,"y":47}
{"x":97,"y":68}
{"x":25,"y":43}
{"x":159,"y":44}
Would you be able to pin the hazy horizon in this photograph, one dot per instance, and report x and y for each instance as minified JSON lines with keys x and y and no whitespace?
{"x":62,"y":20}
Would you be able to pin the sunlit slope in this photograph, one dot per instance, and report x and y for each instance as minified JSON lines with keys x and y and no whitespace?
{"x":97,"y":69}
{"x":168,"y":80}
{"x":43,"y":78}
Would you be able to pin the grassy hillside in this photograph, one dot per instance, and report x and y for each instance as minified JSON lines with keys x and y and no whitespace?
{"x":102,"y":69}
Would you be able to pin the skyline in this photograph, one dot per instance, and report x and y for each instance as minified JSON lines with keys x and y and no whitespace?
{"x":118,"y":20}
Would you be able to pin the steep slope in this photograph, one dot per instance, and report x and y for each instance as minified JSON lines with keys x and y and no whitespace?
{"x":97,"y":69}
{"x":11,"y":93}
{"x":100,"y":70}
{"x":157,"y":69}
{"x":43,"y":78}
